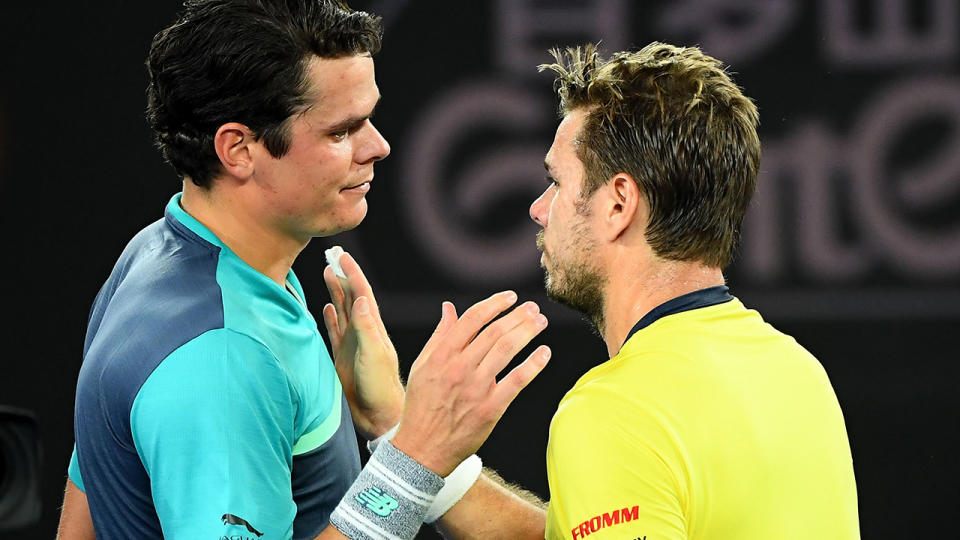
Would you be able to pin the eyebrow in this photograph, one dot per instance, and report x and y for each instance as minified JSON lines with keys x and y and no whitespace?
{"x":547,"y":167}
{"x":353,"y":121}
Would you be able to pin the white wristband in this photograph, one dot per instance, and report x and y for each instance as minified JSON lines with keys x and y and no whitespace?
{"x":456,"y":484}
{"x":372,"y":445}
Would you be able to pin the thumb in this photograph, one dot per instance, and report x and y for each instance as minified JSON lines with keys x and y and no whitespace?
{"x":448,"y":316}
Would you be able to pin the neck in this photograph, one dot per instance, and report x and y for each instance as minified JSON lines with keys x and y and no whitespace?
{"x":248,"y":235}
{"x":631,"y":295}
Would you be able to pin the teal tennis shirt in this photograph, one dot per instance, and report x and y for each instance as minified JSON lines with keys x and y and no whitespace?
{"x":207,"y":404}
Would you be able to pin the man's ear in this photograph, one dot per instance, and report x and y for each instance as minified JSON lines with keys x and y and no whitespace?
{"x":623,"y":201}
{"x":232,"y":143}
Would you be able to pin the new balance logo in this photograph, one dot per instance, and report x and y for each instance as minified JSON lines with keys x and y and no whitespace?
{"x":230,"y":519}
{"x":377,"y":501}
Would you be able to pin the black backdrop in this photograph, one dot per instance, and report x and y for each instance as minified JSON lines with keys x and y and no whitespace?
{"x":852,"y":245}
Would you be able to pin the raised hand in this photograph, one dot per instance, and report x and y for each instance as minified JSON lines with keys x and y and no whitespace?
{"x":453,"y":396}
{"x":364,"y":356}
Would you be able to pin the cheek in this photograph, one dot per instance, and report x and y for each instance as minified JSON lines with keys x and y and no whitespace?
{"x":321,"y":156}
{"x":551,"y":205}
{"x":557,"y":212}
{"x":322,"y":172}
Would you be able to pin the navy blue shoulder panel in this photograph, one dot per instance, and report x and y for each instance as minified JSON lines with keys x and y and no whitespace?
{"x":323,"y":475}
{"x":162,"y":293}
{"x":697,"y":299}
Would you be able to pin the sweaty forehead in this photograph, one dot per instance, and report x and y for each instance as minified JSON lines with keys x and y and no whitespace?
{"x":344,"y":84}
{"x":565,"y":143}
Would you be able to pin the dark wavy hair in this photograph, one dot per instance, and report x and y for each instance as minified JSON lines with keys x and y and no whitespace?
{"x":242,"y":61}
{"x":672,"y":118}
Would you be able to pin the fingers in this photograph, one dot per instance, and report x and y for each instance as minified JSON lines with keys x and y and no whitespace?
{"x":358,"y":285}
{"x":508,"y":345}
{"x":448,"y":311}
{"x":519,"y":377}
{"x":476,"y":317}
{"x":368,"y":335}
{"x":356,"y":281}
{"x":337,"y":295}
{"x":334,"y":286}
{"x":333,"y":327}
{"x":448,"y":316}
{"x":500,"y":336}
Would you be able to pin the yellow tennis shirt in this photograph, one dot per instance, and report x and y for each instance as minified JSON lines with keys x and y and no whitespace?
{"x":708,"y":424}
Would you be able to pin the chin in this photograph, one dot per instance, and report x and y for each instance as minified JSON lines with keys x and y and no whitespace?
{"x":359,"y":212}
{"x":355,"y":216}
{"x":345,"y":221}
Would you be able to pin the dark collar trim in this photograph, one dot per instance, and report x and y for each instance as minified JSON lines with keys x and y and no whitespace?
{"x":697,"y":299}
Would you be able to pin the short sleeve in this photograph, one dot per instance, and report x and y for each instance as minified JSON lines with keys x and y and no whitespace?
{"x":73,"y":471}
{"x":213,"y":426}
{"x":612,"y":473}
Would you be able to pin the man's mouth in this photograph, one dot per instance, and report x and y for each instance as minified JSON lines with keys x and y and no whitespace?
{"x":362,"y":187}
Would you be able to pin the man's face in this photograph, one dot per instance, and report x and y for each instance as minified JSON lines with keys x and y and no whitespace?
{"x":318,"y":187}
{"x":568,"y":244}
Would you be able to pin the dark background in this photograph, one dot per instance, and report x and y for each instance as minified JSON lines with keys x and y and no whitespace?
{"x":852,"y":245}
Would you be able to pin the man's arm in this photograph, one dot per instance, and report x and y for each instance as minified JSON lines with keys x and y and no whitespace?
{"x":366,"y":362}
{"x":76,"y":524}
{"x":491,"y":509}
{"x":75,"y":521}
{"x":453,"y":401}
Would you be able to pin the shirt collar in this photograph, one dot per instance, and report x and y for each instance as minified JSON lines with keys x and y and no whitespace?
{"x":697,"y":299}
{"x":177,"y":215}
{"x":178,"y":218}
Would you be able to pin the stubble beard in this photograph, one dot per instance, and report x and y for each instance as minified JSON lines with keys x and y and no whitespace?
{"x":574,"y":282}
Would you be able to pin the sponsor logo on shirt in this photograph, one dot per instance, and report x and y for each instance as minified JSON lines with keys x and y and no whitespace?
{"x":230,"y":519}
{"x":606,"y":519}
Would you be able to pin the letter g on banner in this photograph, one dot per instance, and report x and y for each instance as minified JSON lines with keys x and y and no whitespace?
{"x":455,"y":174}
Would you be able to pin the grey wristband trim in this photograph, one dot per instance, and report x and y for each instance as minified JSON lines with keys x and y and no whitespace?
{"x":389,"y":499}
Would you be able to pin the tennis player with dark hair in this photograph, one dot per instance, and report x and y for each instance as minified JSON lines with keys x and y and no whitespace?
{"x":207,"y":405}
{"x":705,"y":422}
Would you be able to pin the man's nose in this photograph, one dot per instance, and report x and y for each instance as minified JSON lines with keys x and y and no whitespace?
{"x":538,"y":210}
{"x":376,"y":146}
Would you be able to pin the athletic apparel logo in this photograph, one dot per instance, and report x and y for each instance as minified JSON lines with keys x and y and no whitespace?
{"x":230,"y":519}
{"x":376,"y":500}
{"x":606,"y":519}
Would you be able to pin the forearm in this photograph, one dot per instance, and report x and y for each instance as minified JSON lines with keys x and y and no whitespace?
{"x":492,"y":509}
{"x":330,"y":533}
{"x":75,"y":521}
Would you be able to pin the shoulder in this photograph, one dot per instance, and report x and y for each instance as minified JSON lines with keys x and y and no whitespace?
{"x":625,"y":400}
{"x":221,"y":378}
{"x":220,"y":367}
{"x":222,"y":354}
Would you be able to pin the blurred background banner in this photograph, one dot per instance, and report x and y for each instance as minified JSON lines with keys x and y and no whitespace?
{"x":852,"y":244}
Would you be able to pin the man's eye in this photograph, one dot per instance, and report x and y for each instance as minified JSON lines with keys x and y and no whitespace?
{"x":340,"y":135}
{"x":550,"y":180}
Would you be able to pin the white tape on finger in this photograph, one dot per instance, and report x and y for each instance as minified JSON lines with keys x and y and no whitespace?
{"x":333,"y":259}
